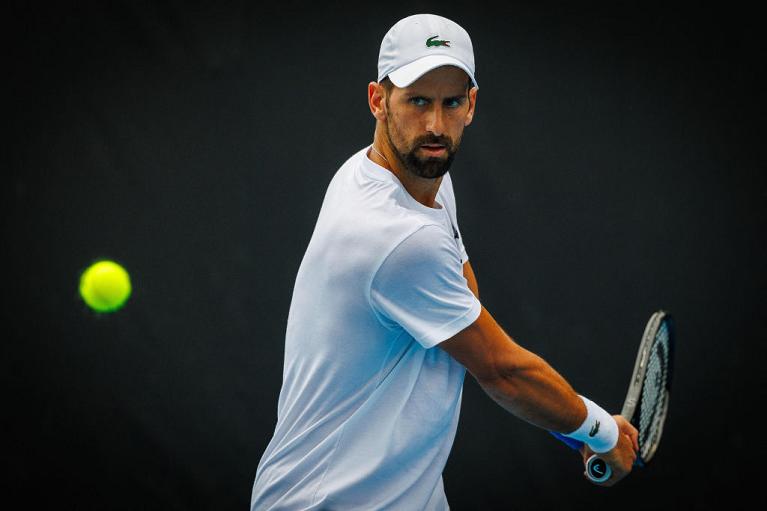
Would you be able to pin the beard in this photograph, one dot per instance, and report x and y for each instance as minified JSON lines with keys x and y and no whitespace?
{"x":429,"y":167}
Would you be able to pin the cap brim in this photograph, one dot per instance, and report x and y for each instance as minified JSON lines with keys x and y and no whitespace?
{"x":409,"y":73}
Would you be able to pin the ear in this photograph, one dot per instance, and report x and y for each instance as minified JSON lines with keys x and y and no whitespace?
{"x":472,"y":106}
{"x":376,"y":100}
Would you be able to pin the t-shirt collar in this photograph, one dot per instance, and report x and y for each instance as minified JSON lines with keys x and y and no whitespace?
{"x":379,"y":173}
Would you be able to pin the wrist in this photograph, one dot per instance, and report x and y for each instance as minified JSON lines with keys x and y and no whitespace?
{"x":599,"y":431}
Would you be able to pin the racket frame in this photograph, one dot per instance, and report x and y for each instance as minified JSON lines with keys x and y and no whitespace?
{"x":638,"y":376}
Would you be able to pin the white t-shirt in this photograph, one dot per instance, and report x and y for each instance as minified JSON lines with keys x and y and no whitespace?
{"x":368,"y":410}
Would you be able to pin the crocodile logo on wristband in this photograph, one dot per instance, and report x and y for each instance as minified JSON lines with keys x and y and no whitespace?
{"x":594,"y":429}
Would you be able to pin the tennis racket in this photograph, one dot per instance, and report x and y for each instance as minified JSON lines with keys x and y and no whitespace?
{"x":646,"y":403}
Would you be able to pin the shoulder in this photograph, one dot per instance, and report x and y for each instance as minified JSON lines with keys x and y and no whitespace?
{"x":446,"y":190}
{"x":426,"y":236}
{"x":426,"y":248}
{"x":352,"y":163}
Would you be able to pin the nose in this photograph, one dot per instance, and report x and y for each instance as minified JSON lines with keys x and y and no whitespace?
{"x":435,"y":122}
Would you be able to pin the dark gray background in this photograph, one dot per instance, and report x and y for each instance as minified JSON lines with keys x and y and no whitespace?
{"x":615,"y":166}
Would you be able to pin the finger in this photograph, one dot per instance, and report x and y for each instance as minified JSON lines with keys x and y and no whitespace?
{"x":633,"y":453}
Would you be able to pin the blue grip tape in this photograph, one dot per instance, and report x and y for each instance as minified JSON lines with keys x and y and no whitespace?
{"x":570,"y":442}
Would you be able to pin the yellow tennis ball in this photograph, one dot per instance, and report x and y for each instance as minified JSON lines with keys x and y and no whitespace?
{"x":105,"y":286}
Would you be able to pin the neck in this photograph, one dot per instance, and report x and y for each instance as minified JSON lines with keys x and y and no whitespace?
{"x":422,"y":189}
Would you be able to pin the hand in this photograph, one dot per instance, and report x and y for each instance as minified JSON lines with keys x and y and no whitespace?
{"x":621,"y":458}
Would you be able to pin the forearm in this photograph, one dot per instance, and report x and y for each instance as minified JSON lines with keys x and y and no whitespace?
{"x":533,"y":391}
{"x":520,"y":381}
{"x":527,"y":386}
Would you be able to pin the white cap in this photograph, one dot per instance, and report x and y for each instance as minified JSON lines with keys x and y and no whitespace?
{"x":417,"y":44}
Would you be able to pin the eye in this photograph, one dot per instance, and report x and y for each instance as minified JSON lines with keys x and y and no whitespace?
{"x":453,"y":102}
{"x":419,"y":101}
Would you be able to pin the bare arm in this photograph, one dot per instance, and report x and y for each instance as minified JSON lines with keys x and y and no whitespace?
{"x":471,"y":279}
{"x":527,"y":386}
{"x":517,"y":379}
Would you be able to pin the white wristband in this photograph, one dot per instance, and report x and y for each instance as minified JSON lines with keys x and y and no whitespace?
{"x":599,"y":431}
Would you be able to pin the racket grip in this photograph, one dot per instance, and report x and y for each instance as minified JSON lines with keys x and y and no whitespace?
{"x":570,"y":442}
{"x":597,"y":469}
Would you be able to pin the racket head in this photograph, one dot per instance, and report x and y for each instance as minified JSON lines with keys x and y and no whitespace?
{"x":646,"y":404}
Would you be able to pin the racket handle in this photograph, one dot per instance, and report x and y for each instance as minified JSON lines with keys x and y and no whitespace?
{"x":597,"y":469}
{"x":570,"y":442}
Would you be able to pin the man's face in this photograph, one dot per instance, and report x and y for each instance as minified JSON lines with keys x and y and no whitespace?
{"x":425,"y":121}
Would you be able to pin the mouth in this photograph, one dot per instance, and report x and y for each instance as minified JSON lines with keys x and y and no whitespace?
{"x":434,"y":149}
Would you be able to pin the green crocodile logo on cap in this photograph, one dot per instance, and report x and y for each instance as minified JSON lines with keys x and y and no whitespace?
{"x":431,"y":43}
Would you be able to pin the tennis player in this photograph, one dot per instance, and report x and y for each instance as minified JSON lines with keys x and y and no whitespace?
{"x":385,"y":316}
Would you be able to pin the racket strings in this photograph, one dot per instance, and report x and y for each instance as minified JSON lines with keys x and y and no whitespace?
{"x":653,"y":396}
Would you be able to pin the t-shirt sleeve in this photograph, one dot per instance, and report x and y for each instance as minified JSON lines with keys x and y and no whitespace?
{"x":420,"y":287}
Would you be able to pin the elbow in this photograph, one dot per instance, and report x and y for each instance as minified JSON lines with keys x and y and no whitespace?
{"x":509,"y":381}
{"x":503,"y":389}
{"x":501,"y":382}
